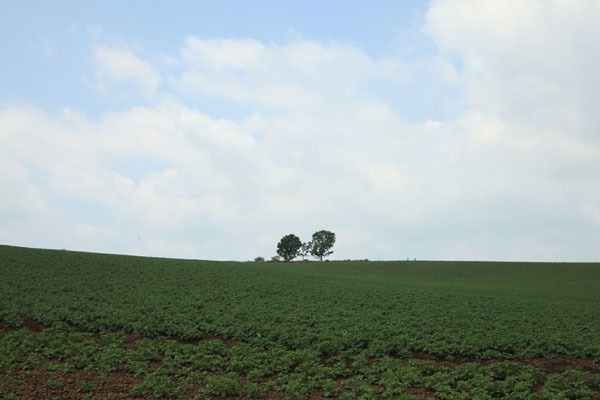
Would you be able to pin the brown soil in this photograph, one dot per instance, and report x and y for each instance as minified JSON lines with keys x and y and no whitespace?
{"x":421,"y":393}
{"x":33,"y":325}
{"x":35,"y":385}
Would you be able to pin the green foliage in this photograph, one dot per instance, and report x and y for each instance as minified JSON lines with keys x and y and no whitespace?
{"x":342,"y":329}
{"x":253,"y":390}
{"x":570,"y":384}
{"x":489,"y":310}
{"x":259,"y":259}
{"x":211,"y":369}
{"x":289,"y":247}
{"x":86,"y":387}
{"x":221,"y":386}
{"x":7,"y":396}
{"x":53,"y":384}
{"x":322,"y":242}
{"x":305,"y":250}
{"x":330,"y":388}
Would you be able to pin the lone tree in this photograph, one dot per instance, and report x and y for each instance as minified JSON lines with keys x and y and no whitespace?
{"x":289,"y":247}
{"x":322,"y":242}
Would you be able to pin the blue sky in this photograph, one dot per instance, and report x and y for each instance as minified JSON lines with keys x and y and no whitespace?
{"x":52,"y":47}
{"x":432,"y":129}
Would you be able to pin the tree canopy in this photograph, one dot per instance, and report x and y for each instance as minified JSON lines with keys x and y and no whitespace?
{"x":321,"y":244}
{"x":289,"y":247}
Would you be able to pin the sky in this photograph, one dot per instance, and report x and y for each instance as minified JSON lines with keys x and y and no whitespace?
{"x":442,"y":129}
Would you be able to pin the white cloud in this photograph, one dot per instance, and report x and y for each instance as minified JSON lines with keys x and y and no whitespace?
{"x":116,"y":67}
{"x":529,"y":63}
{"x":299,"y":75}
{"x":432,"y":124}
{"x":513,"y":177}
{"x":221,"y":54}
{"x":20,"y":198}
{"x":218,"y":192}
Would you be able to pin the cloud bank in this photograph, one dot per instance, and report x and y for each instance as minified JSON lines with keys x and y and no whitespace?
{"x":306,"y":140}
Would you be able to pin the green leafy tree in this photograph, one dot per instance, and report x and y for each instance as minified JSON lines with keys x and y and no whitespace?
{"x":322,"y":242}
{"x":289,"y":247}
{"x":305,"y":249}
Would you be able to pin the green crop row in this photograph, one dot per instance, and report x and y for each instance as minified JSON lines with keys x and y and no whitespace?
{"x":385,"y":309}
{"x":165,"y":368}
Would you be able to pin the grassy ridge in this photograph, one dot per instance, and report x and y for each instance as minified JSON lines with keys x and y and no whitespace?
{"x":486,"y":310}
{"x":558,"y":281}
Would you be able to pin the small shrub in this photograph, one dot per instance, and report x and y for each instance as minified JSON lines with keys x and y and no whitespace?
{"x":254,"y":391}
{"x":330,"y":388}
{"x":86,"y":387}
{"x":52,"y":384}
{"x":221,"y":386}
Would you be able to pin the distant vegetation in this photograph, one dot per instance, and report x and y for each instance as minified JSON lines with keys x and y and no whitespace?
{"x":290,"y":246}
{"x":348,"y":330}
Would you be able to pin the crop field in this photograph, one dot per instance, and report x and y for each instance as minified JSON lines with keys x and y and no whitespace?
{"x":95,"y":326}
